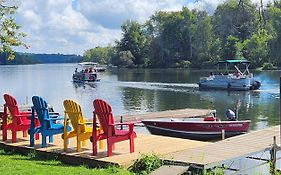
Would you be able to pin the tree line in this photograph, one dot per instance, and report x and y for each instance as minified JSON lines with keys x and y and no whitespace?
{"x":194,"y":38}
{"x":31,"y":58}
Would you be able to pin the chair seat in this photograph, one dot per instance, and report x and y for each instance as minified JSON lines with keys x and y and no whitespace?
{"x":57,"y":126}
{"x":88,"y":129}
{"x":26,"y":122}
{"x":121,"y":132}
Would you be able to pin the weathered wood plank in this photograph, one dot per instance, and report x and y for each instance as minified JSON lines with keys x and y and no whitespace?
{"x":228,"y":149}
{"x":180,"y":113}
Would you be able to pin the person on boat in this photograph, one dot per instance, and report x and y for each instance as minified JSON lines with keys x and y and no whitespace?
{"x":76,"y":70}
{"x":90,"y":70}
{"x":86,"y":70}
{"x":230,"y":115}
{"x":237,"y":74}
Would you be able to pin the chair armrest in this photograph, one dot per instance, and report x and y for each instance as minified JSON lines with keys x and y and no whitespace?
{"x":19,"y":116}
{"x":54,"y":119}
{"x":25,"y":113}
{"x":124,"y":123}
{"x":88,"y":122}
{"x":54,"y":113}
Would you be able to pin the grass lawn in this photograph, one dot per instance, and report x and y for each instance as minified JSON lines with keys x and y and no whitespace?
{"x":12,"y":163}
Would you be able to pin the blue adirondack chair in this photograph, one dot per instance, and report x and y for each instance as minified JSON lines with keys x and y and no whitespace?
{"x":49,"y":123}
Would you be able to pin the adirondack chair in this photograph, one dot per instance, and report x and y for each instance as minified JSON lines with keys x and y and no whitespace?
{"x":103,"y":112}
{"x":49,"y":123}
{"x":20,"y":120}
{"x":81,"y":131}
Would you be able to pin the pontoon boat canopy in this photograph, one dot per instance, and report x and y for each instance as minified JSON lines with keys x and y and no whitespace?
{"x":234,"y":62}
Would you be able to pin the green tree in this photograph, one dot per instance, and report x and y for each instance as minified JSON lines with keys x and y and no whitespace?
{"x":155,"y":29}
{"x":124,"y":59}
{"x":236,"y":18}
{"x":101,"y":55}
{"x":231,"y":49}
{"x":134,"y":40}
{"x":256,"y":48}
{"x":201,"y":38}
{"x":9,"y":30}
{"x":275,"y":23}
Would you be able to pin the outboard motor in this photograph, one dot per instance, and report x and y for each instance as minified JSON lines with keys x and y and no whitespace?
{"x":230,"y":115}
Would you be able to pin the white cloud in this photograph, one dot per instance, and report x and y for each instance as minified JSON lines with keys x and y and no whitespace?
{"x":65,"y":26}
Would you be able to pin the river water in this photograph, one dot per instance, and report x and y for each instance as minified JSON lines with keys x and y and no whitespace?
{"x":136,"y":91}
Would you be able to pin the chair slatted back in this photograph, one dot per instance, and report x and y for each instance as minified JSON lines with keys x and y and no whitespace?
{"x":41,"y":108}
{"x":12,"y":104}
{"x":104,"y":114}
{"x":74,"y":112}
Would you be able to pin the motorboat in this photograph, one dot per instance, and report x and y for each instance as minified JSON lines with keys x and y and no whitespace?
{"x":95,"y":66}
{"x":204,"y":128}
{"x":238,"y":80}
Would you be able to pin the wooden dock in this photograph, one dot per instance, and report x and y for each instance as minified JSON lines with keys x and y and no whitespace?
{"x":181,"y":151}
{"x":144,"y":144}
{"x":231,"y":148}
{"x":179,"y":113}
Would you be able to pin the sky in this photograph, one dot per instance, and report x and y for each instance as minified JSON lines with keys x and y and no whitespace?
{"x":74,"y":26}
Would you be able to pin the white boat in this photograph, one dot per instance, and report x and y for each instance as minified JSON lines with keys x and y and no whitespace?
{"x":86,"y":74}
{"x":231,"y":81}
{"x":84,"y":77}
{"x":93,"y":65}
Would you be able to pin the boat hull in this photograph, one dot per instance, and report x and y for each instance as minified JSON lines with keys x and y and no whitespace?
{"x":84,"y":77}
{"x":201,"y":130}
{"x":229,"y":82}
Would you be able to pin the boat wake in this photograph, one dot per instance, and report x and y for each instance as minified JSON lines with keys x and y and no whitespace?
{"x":176,"y":87}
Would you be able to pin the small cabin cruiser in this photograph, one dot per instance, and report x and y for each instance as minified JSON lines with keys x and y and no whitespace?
{"x":239,"y":80}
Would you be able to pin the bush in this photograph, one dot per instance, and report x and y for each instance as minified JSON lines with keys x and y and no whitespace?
{"x":182,"y":64}
{"x":146,"y":164}
{"x":268,"y":66}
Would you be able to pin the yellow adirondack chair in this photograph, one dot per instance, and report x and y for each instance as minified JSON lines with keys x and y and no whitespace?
{"x":80,"y":130}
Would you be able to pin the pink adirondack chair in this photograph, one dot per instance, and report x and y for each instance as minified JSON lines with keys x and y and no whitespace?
{"x":103,"y":112}
{"x":20,"y":120}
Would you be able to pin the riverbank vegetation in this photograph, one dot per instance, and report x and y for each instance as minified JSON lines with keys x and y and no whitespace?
{"x":31,"y":58}
{"x":195,"y":38}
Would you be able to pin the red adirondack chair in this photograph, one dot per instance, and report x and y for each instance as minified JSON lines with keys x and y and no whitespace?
{"x":20,"y":120}
{"x":104,"y":114}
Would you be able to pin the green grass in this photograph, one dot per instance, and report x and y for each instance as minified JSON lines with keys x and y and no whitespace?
{"x":30,"y":165}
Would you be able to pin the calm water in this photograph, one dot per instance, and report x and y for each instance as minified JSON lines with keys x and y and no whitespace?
{"x":140,"y":91}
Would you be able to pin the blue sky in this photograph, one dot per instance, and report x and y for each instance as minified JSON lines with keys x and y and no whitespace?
{"x":73,"y":26}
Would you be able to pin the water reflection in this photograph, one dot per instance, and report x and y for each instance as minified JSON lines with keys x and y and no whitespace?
{"x":134,"y":91}
{"x":84,"y":85}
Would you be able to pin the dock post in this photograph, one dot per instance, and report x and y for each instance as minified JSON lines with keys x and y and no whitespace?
{"x":273,"y":152}
{"x":121,"y":121}
{"x":280,"y":111}
{"x":222,"y":134}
